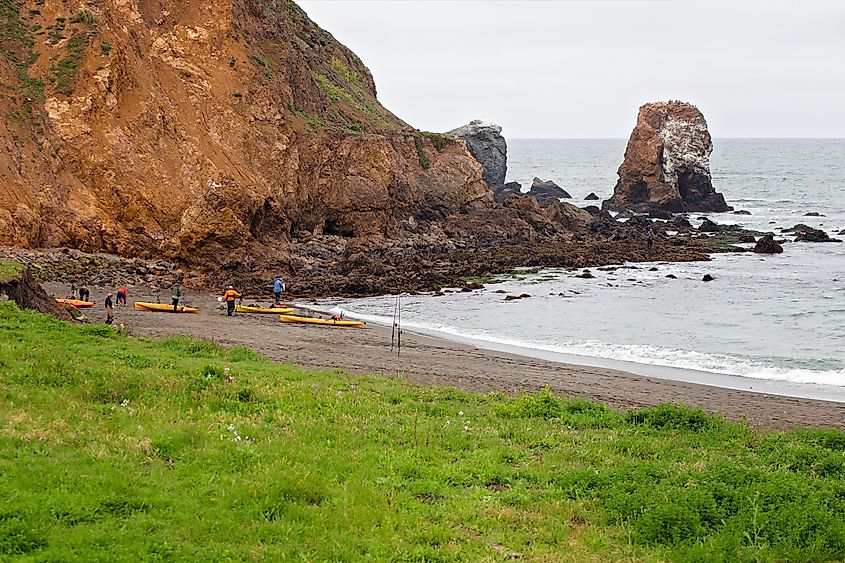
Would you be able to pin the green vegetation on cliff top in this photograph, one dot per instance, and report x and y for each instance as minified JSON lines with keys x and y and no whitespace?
{"x":8,"y":269}
{"x":116,"y":448}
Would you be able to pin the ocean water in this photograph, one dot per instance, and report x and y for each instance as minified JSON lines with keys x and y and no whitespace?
{"x":776,"y":318}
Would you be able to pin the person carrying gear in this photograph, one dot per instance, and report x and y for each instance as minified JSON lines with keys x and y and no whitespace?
{"x":278,"y":288}
{"x":229,"y":297}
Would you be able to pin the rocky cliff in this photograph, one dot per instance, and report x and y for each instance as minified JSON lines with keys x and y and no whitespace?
{"x":486,"y":143}
{"x":667,"y":163}
{"x":186,"y":129}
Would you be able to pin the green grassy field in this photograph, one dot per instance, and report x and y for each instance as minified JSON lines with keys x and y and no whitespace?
{"x":116,"y":448}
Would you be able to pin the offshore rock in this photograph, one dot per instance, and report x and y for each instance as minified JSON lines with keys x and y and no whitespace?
{"x":486,"y":143}
{"x":546,"y":191}
{"x":591,"y":197}
{"x":667,"y":163}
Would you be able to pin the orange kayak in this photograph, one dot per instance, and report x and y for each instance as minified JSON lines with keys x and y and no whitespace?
{"x":75,"y":302}
{"x":163,"y":307}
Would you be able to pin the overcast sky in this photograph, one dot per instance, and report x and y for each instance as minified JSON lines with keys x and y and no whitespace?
{"x":549,"y":69}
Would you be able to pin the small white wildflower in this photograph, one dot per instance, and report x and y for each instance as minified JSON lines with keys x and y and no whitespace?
{"x":460,"y":413}
{"x":237,"y":437}
{"x":226,"y":371}
{"x":124,"y":403}
{"x":231,"y":379}
{"x":466,"y":428}
{"x":340,"y":393}
{"x":231,"y":427}
{"x":597,"y":471}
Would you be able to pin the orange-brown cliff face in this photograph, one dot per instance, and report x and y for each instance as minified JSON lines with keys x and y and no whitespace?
{"x":184,"y":128}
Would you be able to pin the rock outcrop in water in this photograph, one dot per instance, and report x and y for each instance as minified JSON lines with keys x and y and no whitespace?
{"x":547,"y":191}
{"x":667,"y":163}
{"x":767,"y":245}
{"x":486,"y":143}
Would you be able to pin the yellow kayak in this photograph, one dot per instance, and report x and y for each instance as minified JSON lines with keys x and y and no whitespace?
{"x":163,"y":307}
{"x":256,"y":309}
{"x":316,"y":321}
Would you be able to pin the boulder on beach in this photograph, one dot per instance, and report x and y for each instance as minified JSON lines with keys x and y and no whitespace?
{"x":486,"y":143}
{"x":742,"y":212}
{"x":767,"y":245}
{"x":667,"y":163}
{"x":591,"y":197}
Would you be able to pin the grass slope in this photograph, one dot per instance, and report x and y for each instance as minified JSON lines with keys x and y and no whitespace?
{"x":115,"y":448}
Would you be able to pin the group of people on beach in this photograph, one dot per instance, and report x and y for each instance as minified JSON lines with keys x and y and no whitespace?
{"x":229,"y":297}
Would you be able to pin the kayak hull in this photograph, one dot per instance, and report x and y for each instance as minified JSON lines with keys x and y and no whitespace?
{"x":316,"y":321}
{"x":263,"y":310}
{"x":163,"y":307}
{"x":76,"y":303}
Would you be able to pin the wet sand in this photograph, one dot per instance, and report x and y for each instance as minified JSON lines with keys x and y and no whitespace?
{"x":430,"y":361}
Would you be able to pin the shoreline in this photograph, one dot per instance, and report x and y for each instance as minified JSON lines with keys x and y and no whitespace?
{"x":431,"y":361}
{"x":814,"y":391}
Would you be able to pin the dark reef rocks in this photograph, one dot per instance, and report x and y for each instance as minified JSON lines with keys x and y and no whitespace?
{"x":667,"y":163}
{"x":502,"y":193}
{"x":486,"y":143}
{"x":767,"y":245}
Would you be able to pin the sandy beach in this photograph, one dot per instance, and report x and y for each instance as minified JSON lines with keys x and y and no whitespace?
{"x":431,"y":361}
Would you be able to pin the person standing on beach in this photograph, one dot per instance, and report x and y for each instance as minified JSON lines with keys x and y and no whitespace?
{"x":229,"y":297}
{"x":84,"y":294}
{"x":175,"y":295}
{"x":649,"y":238}
{"x":121,"y":296}
{"x":109,"y":309}
{"x":278,"y":288}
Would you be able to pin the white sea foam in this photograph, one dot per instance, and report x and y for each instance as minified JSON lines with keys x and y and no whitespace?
{"x":640,"y":354}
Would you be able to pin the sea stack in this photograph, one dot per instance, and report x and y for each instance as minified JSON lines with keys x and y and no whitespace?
{"x":485,"y":142}
{"x":667,"y":163}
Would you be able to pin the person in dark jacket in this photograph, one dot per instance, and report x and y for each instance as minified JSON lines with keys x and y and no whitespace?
{"x":175,"y":295}
{"x":109,"y":309}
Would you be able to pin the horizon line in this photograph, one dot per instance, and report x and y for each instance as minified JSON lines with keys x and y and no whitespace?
{"x":625,"y":138}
